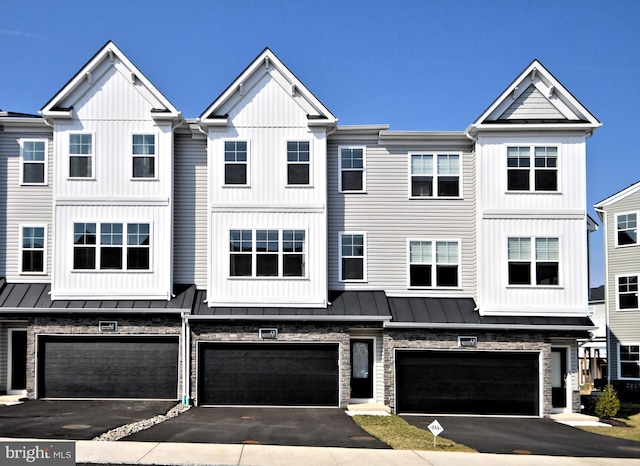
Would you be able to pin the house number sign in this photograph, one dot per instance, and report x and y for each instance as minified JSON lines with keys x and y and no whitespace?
{"x":468,"y":342}
{"x":108,"y":326}
{"x":269,"y":333}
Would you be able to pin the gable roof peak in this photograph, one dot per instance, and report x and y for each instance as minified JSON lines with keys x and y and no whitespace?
{"x":58,"y":106}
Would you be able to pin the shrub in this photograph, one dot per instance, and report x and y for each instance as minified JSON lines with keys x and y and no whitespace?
{"x":608,"y":403}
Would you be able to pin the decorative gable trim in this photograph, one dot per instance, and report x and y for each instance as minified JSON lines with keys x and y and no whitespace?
{"x":108,"y":56}
{"x":634,"y":188}
{"x":267,"y":63}
{"x":536,"y":99}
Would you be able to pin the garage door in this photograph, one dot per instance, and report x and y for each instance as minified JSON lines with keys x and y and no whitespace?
{"x":270,"y":374}
{"x":467,"y":382}
{"x":108,"y":367}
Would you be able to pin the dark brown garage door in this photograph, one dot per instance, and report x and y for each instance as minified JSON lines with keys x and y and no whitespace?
{"x":108,"y":367}
{"x":467,"y":382}
{"x":268,"y":374}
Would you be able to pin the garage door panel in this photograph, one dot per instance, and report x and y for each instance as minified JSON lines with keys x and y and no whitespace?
{"x":467,"y":382}
{"x":268,"y":374}
{"x":107,"y":367}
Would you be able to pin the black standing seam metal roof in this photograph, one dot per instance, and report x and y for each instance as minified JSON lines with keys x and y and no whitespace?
{"x":35,"y":296}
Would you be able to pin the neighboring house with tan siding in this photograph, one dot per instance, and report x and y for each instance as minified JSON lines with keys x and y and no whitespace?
{"x":619,"y":214}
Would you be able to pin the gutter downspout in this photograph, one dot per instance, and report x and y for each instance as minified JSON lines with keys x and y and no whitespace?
{"x":607,"y":306}
{"x":186,"y":360}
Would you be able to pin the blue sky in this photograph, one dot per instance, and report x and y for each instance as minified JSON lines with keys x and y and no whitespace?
{"x":415,"y":65}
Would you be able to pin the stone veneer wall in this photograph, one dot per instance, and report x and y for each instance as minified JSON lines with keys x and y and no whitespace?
{"x":74,"y":324}
{"x":503,"y":341}
{"x":287,"y":332}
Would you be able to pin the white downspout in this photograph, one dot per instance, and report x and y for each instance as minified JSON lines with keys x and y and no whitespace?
{"x":186,"y":360}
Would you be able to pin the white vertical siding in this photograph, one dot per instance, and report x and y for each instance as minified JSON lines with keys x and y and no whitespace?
{"x":497,"y":296}
{"x":23,"y":204}
{"x":492,"y":169}
{"x":390,"y":218}
{"x":190,"y":210}
{"x":267,"y":116}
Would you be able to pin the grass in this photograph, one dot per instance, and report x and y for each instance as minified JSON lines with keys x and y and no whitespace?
{"x":629,"y":416}
{"x":400,"y":435}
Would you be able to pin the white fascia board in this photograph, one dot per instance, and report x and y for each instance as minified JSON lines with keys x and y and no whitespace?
{"x":634,"y":188}
{"x":410,"y":325}
{"x":291,"y":317}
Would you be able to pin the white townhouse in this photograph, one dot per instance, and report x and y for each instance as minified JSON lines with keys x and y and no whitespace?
{"x":619,"y":214}
{"x":262,"y":254}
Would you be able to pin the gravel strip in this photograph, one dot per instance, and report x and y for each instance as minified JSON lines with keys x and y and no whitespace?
{"x":128,"y":429}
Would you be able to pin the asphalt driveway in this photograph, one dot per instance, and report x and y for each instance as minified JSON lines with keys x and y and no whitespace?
{"x":74,"y":420}
{"x":528,"y":437}
{"x":318,"y":427}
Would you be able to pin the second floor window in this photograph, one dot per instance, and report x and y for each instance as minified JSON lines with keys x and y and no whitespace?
{"x":267,"y":253}
{"x":628,"y":292}
{"x":298,"y":163}
{"x":532,"y":168}
{"x":111,"y":246}
{"x":235,"y":163}
{"x":626,"y":229}
{"x":80,"y":155}
{"x":352,"y":257}
{"x":434,"y":263}
{"x":533,"y":261}
{"x":435,"y":175}
{"x":352,"y":169}
{"x":34,"y":161}
{"x":144,"y":156}
{"x":32,"y":249}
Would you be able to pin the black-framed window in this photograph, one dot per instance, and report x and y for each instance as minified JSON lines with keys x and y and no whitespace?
{"x":628,"y":292}
{"x":34,"y":161}
{"x":235,"y":163}
{"x":435,"y":175}
{"x":144,"y":155}
{"x":352,"y":169}
{"x":102,"y":246}
{"x":352,"y":256}
{"x":627,"y":229}
{"x":532,"y":168}
{"x":267,"y":253}
{"x":80,"y":155}
{"x":298,"y":163}
{"x":533,"y":261}
{"x":32,"y":248}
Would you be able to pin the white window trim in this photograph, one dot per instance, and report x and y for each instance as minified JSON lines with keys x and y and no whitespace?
{"x":364,"y":169}
{"x":92,"y":156}
{"x":21,"y":227}
{"x":247,"y":163}
{"x":155,"y":155}
{"x":617,"y":277}
{"x":434,"y":263}
{"x":310,"y":163}
{"x":436,"y":175}
{"x":532,"y":169}
{"x":615,"y":232}
{"x":620,"y":362}
{"x":124,"y":246}
{"x":21,"y":142}
{"x":533,"y":262}
{"x":364,"y":257}
{"x":254,"y":255}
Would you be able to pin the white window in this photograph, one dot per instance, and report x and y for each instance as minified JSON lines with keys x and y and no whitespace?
{"x":352,"y":165}
{"x":103,"y":246}
{"x":267,"y":253}
{"x":629,"y":361}
{"x":33,"y":155}
{"x":532,"y":168}
{"x":352,"y":264}
{"x":627,"y":229}
{"x":434,"y":263}
{"x":298,"y":163}
{"x":144,"y":155}
{"x":32,"y":249}
{"x":628,"y":292}
{"x":236,"y":163}
{"x":528,"y":267}
{"x":81,"y":155}
{"x":435,"y":175}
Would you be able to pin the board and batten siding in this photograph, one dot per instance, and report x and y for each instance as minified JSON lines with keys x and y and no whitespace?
{"x":23,"y":205}
{"x":624,"y":326}
{"x":190,"y":210}
{"x":492,"y":178}
{"x":267,"y":116}
{"x":390,"y":218}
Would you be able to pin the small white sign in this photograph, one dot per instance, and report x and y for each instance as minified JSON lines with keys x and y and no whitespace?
{"x":435,"y":428}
